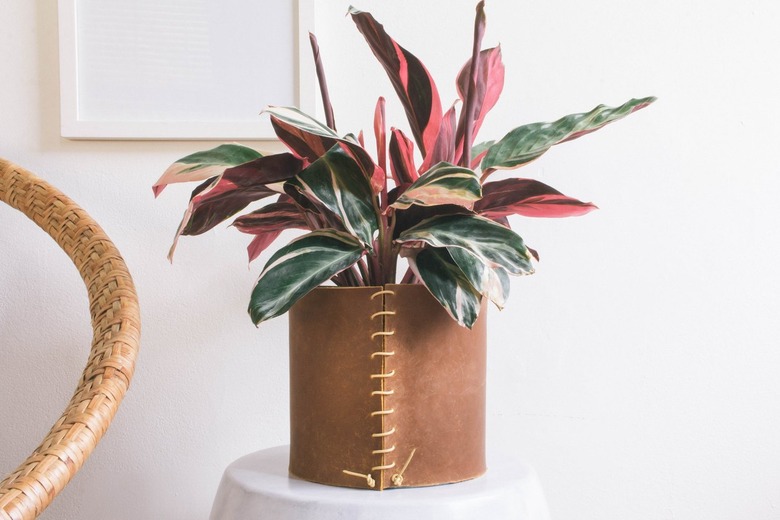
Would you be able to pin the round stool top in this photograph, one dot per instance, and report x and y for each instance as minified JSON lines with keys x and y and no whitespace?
{"x":257,"y":486}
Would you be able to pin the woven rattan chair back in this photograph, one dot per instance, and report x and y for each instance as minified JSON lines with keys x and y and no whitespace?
{"x":113,"y":306}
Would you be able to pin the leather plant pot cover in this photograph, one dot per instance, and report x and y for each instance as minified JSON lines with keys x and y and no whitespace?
{"x":386,"y":389}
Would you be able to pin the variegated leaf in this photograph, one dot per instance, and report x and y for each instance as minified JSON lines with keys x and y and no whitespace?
{"x":529,"y":198}
{"x":336,"y":181}
{"x":492,"y":282}
{"x":442,"y":184}
{"x":310,"y":139}
{"x":412,"y":81}
{"x":222,"y":197}
{"x":526,"y":143}
{"x":494,"y":244}
{"x":447,"y":283}
{"x":415,"y":214}
{"x":299,"y":267}
{"x":203,"y":165}
{"x":478,"y":152}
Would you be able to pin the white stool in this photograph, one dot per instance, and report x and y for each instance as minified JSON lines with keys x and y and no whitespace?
{"x":257,"y":487}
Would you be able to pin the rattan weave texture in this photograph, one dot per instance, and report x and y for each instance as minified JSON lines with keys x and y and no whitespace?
{"x":113,"y":305}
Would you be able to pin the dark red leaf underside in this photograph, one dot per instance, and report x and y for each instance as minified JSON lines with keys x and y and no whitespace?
{"x":276,"y":216}
{"x":220,"y":198}
{"x":311,"y":147}
{"x":260,"y":243}
{"x":268,"y":222}
{"x":529,"y":198}
{"x":401,"y":158}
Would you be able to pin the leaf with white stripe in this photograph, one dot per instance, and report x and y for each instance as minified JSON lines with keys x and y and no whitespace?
{"x":203,"y":165}
{"x":336,"y":181}
{"x":492,"y":282}
{"x":300,"y":266}
{"x":526,"y":143}
{"x":494,"y":244}
{"x":310,"y":139}
{"x":447,"y":283}
{"x":442,"y":184}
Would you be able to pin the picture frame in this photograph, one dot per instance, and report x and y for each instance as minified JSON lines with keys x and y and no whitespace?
{"x":173,"y":70}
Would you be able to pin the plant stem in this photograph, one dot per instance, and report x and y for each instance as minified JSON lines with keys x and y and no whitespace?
{"x":390,"y":253}
{"x":361,"y":264}
{"x":408,"y":276}
{"x":355,"y":272}
{"x":315,"y":48}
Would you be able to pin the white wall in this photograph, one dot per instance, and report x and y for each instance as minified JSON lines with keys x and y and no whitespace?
{"x":637,"y":370}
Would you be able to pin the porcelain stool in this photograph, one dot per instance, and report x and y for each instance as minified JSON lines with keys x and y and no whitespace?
{"x":257,"y":487}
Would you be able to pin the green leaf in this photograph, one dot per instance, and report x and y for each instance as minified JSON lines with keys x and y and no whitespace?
{"x":478,"y":152}
{"x":299,"y":267}
{"x":442,"y":184}
{"x":448,"y":284}
{"x":493,"y":244}
{"x":489,"y":281}
{"x":337,"y":182}
{"x":200,"y":166}
{"x":526,"y":143}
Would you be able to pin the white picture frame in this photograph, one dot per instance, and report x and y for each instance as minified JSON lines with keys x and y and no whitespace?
{"x":101,"y":97}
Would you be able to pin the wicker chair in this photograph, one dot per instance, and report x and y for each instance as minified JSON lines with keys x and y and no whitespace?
{"x":113,"y":305}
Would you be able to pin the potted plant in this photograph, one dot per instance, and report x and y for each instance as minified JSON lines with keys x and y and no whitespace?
{"x":388,"y":366}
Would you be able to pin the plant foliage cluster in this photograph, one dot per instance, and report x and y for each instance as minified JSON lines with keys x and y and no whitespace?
{"x":444,"y":215}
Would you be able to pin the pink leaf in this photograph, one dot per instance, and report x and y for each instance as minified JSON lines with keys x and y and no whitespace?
{"x":444,"y":148}
{"x":268,"y":222}
{"x":529,"y":198}
{"x":380,"y":133}
{"x":260,"y":243}
{"x":489,"y":84}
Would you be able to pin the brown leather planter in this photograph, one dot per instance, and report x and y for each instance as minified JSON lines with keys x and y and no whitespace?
{"x":386,"y":390}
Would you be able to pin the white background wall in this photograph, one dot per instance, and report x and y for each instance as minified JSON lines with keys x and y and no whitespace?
{"x":637,"y":371}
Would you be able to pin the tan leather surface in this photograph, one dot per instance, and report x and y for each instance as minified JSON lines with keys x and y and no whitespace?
{"x":422,"y":391}
{"x":439,"y":389}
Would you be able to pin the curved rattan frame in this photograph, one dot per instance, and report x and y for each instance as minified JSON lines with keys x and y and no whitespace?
{"x":113,"y":306}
